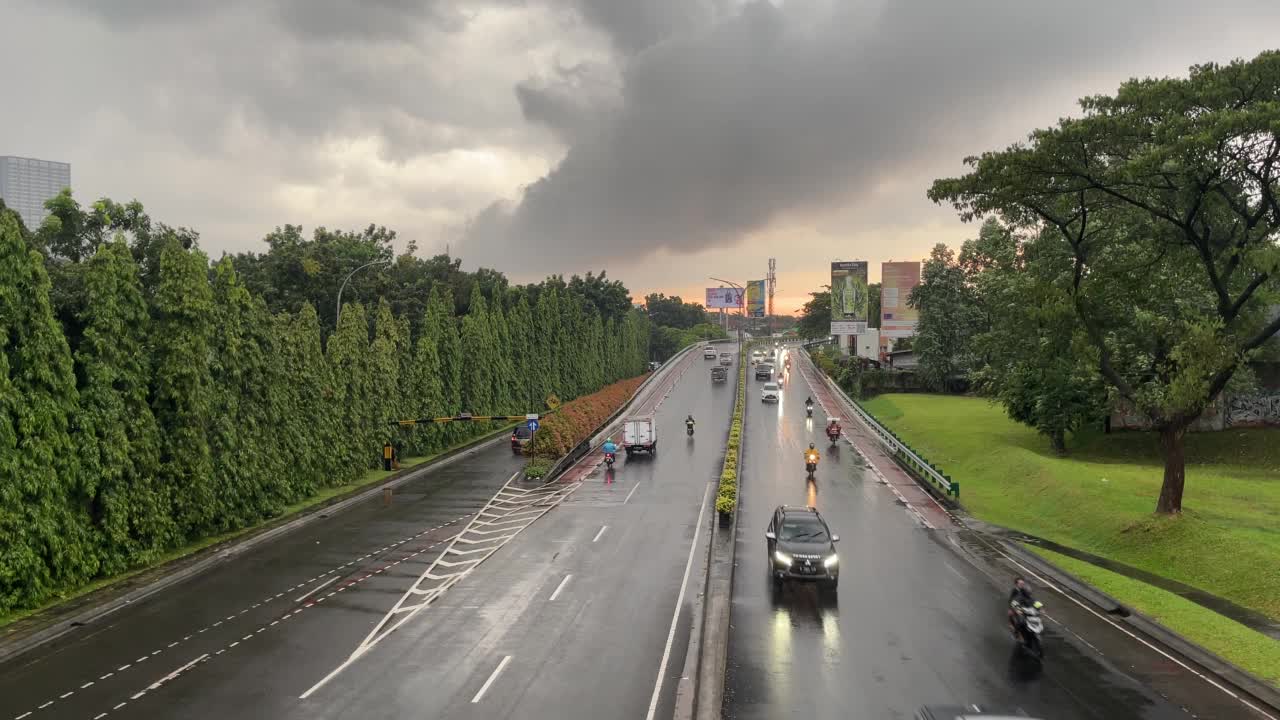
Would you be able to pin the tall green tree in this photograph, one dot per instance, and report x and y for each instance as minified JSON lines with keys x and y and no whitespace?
{"x":314,"y":438}
{"x":547,"y":335}
{"x":119,"y":440}
{"x":427,"y":378}
{"x":505,"y":383}
{"x":349,"y":358}
{"x":815,"y":316}
{"x":949,"y":320}
{"x":479,"y":354}
{"x":384,"y":357}
{"x":1163,"y":204}
{"x":523,"y":353}
{"x":241,"y":433}
{"x":44,"y":517}
{"x":182,"y":388}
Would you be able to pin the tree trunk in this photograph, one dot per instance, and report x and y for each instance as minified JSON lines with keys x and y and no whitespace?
{"x":1058,"y":439}
{"x":1175,"y":469}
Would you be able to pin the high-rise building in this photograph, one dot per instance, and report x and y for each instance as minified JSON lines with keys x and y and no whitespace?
{"x":26,"y":183}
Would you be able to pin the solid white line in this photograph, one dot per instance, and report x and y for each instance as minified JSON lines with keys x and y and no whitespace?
{"x":602,"y":529}
{"x":633,"y":492}
{"x":1177,"y":662}
{"x":485,"y":688}
{"x":99,"y":716}
{"x":956,"y":572}
{"x":560,"y":587}
{"x":23,"y":715}
{"x":675,"y":614}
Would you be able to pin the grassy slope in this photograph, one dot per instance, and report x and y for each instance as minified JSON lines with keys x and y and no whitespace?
{"x":1235,"y":643}
{"x":1101,"y":496}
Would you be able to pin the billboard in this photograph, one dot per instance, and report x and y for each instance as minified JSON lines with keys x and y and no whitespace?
{"x":718,"y":298}
{"x":848,"y":297}
{"x":897,"y":318}
{"x":755,"y":298}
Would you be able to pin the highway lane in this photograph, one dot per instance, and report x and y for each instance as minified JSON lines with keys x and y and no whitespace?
{"x":573,"y":617}
{"x":915,"y":621}
{"x":233,"y":614}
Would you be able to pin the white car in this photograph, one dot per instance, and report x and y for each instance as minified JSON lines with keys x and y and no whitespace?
{"x":770,"y":392}
{"x":709,"y":352}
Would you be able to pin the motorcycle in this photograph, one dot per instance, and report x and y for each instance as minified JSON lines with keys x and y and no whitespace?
{"x":833,"y":434}
{"x":689,"y":429}
{"x":811,"y":462}
{"x":808,"y":410}
{"x":1029,"y":624}
{"x":609,"y":458}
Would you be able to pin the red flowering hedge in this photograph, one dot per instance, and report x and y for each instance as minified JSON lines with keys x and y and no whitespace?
{"x":576,"y":420}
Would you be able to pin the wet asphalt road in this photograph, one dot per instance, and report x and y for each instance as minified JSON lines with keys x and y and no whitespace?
{"x":245,"y":639}
{"x":915,"y":622}
{"x":232,"y":613}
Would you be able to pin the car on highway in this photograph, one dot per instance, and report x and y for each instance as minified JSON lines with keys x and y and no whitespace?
{"x":802,"y":547}
{"x":709,"y":352}
{"x":726,"y":359}
{"x":764,"y":371}
{"x":719,"y":373}
{"x":963,"y":712}
{"x":521,"y":436}
{"x":770,"y":392}
{"x":756,"y":357}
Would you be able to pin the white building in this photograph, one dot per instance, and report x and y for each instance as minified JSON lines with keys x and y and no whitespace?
{"x":26,"y":183}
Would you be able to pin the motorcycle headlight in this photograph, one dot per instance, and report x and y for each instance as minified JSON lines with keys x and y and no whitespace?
{"x":831,"y":561}
{"x":781,"y":558}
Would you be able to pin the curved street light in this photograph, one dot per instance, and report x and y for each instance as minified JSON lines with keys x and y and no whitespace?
{"x":337,"y":315}
{"x":743,"y":306}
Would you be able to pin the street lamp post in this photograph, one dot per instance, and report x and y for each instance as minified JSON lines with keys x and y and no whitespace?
{"x":735,"y":285}
{"x":337,"y":315}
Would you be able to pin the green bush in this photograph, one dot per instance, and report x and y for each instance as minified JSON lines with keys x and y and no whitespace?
{"x":537,"y":468}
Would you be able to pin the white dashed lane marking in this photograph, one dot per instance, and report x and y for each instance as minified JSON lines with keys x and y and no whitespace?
{"x":153,"y":653}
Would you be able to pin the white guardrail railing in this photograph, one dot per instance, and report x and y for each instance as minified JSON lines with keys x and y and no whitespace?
{"x":895,"y":444}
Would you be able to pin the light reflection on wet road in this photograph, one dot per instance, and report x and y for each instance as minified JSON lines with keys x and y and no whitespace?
{"x":914,"y":623}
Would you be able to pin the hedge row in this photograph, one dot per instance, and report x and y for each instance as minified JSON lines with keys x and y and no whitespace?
{"x":577,"y":420}
{"x":727,"y":496}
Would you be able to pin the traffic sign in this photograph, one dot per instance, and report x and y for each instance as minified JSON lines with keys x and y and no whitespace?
{"x":533,"y":426}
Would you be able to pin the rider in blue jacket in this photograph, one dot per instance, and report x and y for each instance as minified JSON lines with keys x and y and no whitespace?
{"x":609,"y":447}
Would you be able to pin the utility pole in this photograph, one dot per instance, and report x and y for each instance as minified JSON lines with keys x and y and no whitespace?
{"x":337,"y":315}
{"x":771,"y":282}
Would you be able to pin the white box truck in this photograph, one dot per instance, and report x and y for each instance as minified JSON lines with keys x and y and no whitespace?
{"x":640,"y":434}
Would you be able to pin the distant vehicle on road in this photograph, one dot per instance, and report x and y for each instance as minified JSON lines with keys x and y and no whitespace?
{"x":726,"y":359}
{"x":801,"y":547}
{"x":764,"y":371}
{"x":639,"y":434}
{"x":959,"y":712}
{"x":719,"y":374}
{"x":756,"y":357}
{"x":654,"y":365}
{"x":521,"y":436}
{"x":709,"y":352}
{"x":769,"y":393}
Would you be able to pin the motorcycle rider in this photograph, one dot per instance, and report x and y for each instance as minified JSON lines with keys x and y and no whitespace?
{"x":688,"y":422}
{"x":1020,"y":595}
{"x":833,"y":427}
{"x":811,"y":455}
{"x":609,"y":448}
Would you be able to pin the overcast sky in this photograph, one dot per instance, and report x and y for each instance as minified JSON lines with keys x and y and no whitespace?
{"x":662,"y":140}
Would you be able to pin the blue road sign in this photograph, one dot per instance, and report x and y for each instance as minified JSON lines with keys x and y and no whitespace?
{"x":533,"y":426}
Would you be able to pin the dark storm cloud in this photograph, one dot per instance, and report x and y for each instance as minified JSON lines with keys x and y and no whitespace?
{"x":803,"y":106}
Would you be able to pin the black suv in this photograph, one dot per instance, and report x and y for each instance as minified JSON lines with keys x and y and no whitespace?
{"x":801,"y":547}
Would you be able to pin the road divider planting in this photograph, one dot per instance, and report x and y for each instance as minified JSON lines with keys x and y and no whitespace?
{"x":576,"y":420}
{"x":727,"y":495}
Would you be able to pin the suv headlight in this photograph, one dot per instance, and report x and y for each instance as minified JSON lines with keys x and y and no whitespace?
{"x":831,"y":561}
{"x":781,"y":558}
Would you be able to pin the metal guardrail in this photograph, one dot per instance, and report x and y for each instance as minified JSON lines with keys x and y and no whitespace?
{"x":895,"y":444}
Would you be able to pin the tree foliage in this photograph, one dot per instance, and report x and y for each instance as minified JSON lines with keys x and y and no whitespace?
{"x":148,"y":399}
{"x":1161,"y":208}
{"x":815,"y":317}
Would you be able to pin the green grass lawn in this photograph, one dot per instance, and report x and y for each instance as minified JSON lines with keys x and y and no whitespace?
{"x":1247,"y":649}
{"x":1101,"y":496}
